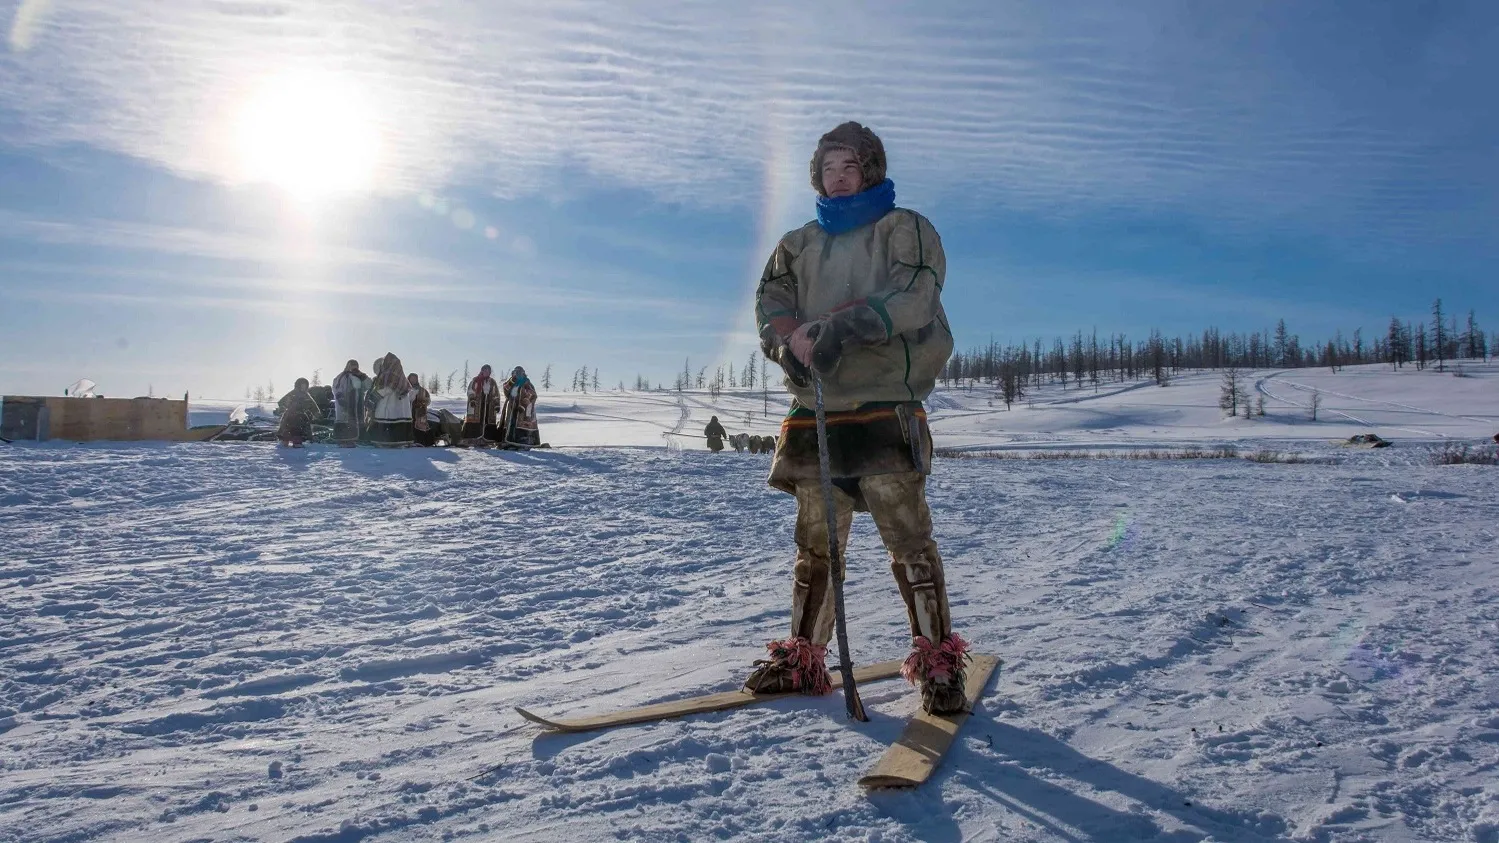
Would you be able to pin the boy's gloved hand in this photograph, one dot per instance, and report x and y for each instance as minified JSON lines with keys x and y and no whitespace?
{"x":826,"y":346}
{"x":778,"y":351}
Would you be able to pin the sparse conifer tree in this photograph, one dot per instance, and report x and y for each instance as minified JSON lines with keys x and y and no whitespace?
{"x":1231,"y":394}
{"x":1438,"y":335}
{"x":1011,"y":383}
{"x":1314,"y":403}
{"x":765,"y":385}
{"x":317,"y":377}
{"x":546,"y":377}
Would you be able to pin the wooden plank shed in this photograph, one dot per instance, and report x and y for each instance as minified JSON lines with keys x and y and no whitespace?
{"x":92,"y":419}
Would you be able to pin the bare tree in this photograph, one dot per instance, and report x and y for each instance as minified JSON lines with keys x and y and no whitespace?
{"x":765,"y":384}
{"x":1232,"y":393}
{"x":1438,"y":335}
{"x":715,"y":386}
{"x":317,"y":377}
{"x":1157,"y":349}
{"x":1011,"y":383}
{"x":449,"y":385}
{"x":1314,"y":403}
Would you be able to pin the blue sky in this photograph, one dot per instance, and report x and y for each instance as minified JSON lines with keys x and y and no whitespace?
{"x":204,"y":196}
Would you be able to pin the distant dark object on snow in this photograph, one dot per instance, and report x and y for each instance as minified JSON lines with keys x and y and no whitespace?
{"x":1368,"y":440}
{"x":1496,"y":438}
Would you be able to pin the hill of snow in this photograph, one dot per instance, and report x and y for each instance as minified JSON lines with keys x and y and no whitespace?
{"x":239,"y":642}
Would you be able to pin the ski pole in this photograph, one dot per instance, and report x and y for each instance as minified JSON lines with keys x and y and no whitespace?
{"x":835,"y":561}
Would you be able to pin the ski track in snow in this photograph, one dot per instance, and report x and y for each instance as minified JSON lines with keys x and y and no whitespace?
{"x":246,"y":643}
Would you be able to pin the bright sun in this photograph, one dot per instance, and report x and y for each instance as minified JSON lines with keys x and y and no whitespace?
{"x":311,"y":135}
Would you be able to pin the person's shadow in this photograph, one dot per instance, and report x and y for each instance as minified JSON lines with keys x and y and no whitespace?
{"x":1003,"y":776}
{"x":377,"y":463}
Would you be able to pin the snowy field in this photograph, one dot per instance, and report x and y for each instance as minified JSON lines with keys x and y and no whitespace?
{"x":238,"y":642}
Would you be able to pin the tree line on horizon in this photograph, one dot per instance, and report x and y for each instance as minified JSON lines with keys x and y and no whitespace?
{"x":1086,"y":360}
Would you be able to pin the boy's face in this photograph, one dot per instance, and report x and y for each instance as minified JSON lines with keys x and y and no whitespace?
{"x":841,"y":173}
{"x":413,"y":380}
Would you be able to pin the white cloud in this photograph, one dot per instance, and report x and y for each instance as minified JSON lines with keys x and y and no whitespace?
{"x":276,"y":278}
{"x":1205,"y":109}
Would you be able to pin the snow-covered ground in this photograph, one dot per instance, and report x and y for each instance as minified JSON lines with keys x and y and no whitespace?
{"x":237,"y":642}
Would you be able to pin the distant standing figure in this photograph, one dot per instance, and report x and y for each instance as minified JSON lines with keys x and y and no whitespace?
{"x":716,"y":434}
{"x":521,"y":430}
{"x":298,"y":409}
{"x":392,"y":427}
{"x":349,"y":390}
{"x":421,"y":430}
{"x":483,"y":406}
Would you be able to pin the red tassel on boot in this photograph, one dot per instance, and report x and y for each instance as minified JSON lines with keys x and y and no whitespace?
{"x":807,"y":663}
{"x":937,"y":662}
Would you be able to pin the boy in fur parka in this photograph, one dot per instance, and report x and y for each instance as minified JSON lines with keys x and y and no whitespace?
{"x":856,"y":296}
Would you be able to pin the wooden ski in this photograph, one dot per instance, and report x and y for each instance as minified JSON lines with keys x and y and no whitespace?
{"x":693,"y":705}
{"x":911,"y":760}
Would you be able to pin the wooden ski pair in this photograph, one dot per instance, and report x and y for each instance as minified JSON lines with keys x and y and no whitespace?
{"x":907,"y":763}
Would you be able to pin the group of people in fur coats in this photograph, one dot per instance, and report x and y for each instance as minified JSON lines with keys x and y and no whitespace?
{"x":388,"y":410}
{"x":502,"y":414}
{"x":855,"y":296}
{"x":391,"y":409}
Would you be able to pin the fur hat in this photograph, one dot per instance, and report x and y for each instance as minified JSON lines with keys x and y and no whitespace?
{"x":862,"y":142}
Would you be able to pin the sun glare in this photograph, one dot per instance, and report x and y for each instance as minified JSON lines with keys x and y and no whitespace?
{"x":310,"y":135}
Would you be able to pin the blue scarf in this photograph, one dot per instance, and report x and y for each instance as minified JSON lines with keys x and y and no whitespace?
{"x":846,"y":213}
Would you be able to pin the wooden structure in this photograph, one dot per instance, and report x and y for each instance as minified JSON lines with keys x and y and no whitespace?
{"x":93,"y":419}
